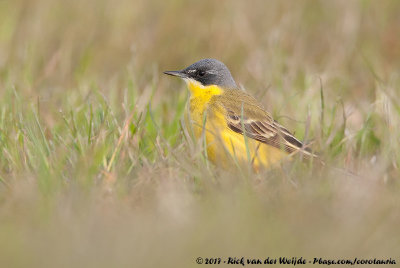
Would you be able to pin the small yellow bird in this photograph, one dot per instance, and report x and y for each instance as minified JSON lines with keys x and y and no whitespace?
{"x":234,"y":124}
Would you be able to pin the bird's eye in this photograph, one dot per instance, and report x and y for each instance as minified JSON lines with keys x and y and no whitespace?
{"x":201,"y":73}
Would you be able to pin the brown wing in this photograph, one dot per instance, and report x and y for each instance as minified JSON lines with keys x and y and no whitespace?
{"x":267,"y":131}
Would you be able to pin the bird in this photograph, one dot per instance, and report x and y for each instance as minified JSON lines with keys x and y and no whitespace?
{"x":235,"y":126}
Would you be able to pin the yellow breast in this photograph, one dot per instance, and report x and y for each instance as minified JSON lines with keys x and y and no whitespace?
{"x":224,"y":146}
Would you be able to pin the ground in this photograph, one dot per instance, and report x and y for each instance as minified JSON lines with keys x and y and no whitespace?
{"x":98,"y":169}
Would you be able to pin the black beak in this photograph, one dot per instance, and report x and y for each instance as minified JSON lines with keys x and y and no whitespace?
{"x":180,"y":74}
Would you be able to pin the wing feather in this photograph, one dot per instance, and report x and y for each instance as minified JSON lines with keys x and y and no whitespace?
{"x":267,"y":131}
{"x":257,"y":123}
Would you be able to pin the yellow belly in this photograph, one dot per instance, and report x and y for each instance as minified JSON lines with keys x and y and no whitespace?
{"x":225,"y":147}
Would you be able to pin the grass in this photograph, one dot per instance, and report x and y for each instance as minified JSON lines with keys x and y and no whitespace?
{"x":97,"y":167}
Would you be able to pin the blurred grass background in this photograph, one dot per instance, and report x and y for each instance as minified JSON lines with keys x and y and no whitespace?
{"x":81,"y":187}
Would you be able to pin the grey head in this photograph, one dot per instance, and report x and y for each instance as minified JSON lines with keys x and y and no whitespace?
{"x":207,"y":72}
